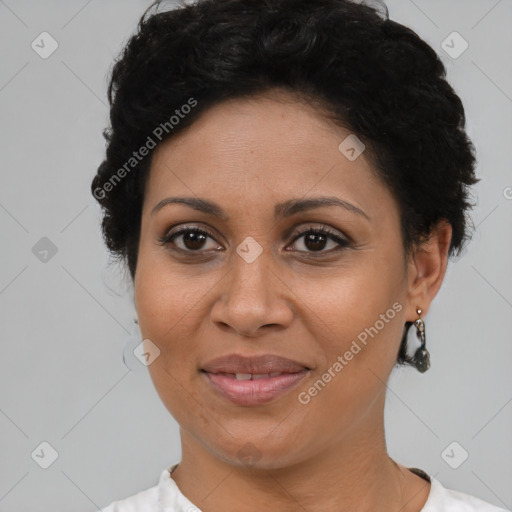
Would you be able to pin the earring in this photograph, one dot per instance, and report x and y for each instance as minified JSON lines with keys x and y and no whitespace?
{"x":421,"y":358}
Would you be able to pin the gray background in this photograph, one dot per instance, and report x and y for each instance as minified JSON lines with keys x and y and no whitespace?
{"x":66,"y":322}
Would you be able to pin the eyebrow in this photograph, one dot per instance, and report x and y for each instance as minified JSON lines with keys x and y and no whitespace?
{"x":285,"y":209}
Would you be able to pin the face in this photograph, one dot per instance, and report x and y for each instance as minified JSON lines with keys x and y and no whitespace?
{"x":259,"y":280}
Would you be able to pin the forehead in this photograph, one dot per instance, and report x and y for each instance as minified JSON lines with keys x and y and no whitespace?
{"x":245,"y":153}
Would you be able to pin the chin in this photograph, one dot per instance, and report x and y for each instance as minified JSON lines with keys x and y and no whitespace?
{"x":257,"y":453}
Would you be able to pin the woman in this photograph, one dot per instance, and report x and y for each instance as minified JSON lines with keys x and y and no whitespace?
{"x":285,"y":181}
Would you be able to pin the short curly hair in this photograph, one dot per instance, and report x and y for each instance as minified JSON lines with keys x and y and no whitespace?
{"x":357,"y":67}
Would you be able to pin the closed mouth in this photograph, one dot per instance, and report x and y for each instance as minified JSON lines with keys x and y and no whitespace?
{"x":251,"y":376}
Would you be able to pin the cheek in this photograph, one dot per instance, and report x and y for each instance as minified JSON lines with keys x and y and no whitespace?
{"x":359,"y":352}
{"x":168,"y":313}
{"x":162,"y":293}
{"x":360,"y":315}
{"x":170,"y":310}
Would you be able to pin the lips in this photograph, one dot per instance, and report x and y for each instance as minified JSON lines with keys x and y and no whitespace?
{"x":245,"y":368}
{"x":251,"y":376}
{"x":253,"y":381}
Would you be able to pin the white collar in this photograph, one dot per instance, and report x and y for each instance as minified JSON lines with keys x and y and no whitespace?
{"x":171,"y":499}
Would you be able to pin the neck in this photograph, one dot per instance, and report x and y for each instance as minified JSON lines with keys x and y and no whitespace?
{"x":350,"y":473}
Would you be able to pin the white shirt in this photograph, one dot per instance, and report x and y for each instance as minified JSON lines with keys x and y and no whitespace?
{"x":167,"y":497}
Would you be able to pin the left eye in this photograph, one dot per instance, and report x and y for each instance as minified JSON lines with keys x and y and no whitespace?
{"x":318,"y":237}
{"x":193,"y":239}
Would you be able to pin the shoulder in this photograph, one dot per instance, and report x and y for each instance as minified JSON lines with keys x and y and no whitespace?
{"x":143,"y":500}
{"x":166,"y":495}
{"x":442,"y":499}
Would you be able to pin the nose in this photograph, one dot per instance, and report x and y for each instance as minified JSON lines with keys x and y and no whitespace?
{"x":252,"y":297}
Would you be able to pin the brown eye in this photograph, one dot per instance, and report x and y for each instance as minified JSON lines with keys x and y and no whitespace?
{"x":316,"y":239}
{"x":192,"y":239}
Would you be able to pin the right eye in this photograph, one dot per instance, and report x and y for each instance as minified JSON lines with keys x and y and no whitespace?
{"x":192,"y":239}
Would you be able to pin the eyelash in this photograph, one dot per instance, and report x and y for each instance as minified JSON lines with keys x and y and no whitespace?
{"x":168,"y":238}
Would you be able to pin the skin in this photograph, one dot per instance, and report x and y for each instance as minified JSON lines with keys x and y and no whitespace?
{"x":329,"y":454}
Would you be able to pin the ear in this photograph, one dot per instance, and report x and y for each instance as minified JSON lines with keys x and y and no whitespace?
{"x":426,"y":269}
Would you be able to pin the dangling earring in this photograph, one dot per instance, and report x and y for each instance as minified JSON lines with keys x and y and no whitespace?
{"x":421,"y":358}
